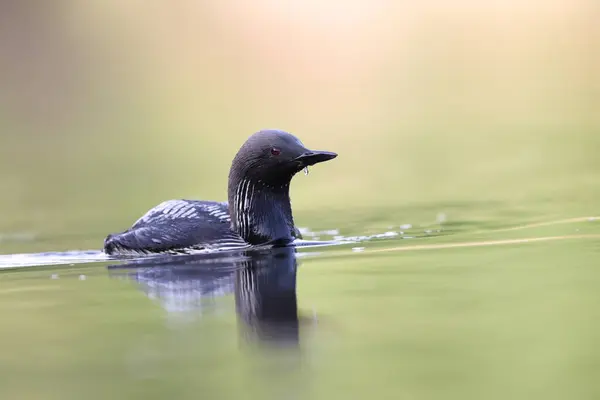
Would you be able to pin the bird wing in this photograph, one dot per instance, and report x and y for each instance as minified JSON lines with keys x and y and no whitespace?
{"x":177,"y":226}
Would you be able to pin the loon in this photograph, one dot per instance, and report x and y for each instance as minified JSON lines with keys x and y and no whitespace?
{"x":258,"y":211}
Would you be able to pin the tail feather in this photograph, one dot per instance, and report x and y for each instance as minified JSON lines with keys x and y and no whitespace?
{"x":122,"y":243}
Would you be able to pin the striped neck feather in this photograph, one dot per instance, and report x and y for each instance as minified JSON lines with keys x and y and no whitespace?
{"x":261,"y":213}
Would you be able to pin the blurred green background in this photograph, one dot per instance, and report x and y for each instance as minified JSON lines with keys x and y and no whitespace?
{"x":487,"y":113}
{"x":109,"y":107}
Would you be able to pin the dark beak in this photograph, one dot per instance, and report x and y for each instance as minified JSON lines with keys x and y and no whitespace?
{"x":312,"y":157}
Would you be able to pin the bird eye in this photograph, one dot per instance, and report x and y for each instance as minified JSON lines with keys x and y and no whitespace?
{"x":275,"y":151}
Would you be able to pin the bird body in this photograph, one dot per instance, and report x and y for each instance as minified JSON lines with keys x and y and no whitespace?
{"x":258,"y":210}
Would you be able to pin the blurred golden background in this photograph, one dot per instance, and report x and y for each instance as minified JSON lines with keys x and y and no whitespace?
{"x":109,"y":107}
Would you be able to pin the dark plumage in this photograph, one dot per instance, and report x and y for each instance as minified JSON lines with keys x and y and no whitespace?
{"x":258,"y":211}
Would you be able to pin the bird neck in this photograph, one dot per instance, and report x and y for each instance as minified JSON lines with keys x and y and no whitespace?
{"x":260,"y":212}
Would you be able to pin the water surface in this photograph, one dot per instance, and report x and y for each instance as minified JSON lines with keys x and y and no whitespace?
{"x":430,"y":317}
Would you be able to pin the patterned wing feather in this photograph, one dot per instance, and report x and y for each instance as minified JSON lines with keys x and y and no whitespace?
{"x":177,"y":226}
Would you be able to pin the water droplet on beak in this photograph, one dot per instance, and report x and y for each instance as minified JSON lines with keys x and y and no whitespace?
{"x":305,"y":170}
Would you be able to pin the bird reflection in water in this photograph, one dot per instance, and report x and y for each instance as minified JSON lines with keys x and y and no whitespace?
{"x":263,"y":283}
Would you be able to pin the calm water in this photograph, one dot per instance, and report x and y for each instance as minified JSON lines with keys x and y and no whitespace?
{"x":432,"y":317}
{"x":468,"y":174}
